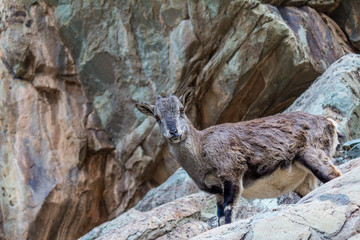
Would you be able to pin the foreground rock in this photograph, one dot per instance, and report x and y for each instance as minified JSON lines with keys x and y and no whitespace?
{"x":165,"y":197}
{"x":180,"y":219}
{"x":329,"y":212}
{"x":180,"y":185}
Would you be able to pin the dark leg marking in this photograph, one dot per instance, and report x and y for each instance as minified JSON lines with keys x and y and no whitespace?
{"x":220,"y":211}
{"x":230,"y":194}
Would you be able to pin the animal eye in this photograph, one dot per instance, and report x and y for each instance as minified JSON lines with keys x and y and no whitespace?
{"x":157,"y":118}
{"x":182,"y":110}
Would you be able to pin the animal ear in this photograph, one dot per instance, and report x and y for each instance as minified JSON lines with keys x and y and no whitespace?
{"x":187,"y":96}
{"x":145,"y":108}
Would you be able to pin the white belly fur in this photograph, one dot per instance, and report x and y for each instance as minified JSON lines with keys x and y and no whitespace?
{"x":278,"y":183}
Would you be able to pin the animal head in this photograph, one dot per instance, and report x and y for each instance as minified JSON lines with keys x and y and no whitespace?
{"x":169,"y":113}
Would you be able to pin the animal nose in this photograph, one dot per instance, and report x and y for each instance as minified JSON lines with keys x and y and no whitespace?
{"x":173,"y":132}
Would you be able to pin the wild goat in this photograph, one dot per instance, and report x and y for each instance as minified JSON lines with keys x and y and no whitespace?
{"x":261,"y":158}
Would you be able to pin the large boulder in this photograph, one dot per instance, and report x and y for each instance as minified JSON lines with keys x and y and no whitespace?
{"x":336,"y":94}
{"x":181,"y":219}
{"x":177,"y":186}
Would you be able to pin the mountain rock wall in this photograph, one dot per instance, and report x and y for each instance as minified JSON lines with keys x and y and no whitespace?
{"x":74,"y":151}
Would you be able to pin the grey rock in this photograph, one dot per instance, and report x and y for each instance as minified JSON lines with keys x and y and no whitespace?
{"x":354,"y":152}
{"x":349,"y":165}
{"x":181,"y":219}
{"x":350,"y":144}
{"x":355,"y":237}
{"x":336,"y":94}
{"x":176,"y":186}
{"x":180,"y":185}
{"x":194,"y":216}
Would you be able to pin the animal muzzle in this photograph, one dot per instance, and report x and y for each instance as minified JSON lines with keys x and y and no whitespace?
{"x":174,"y":133}
{"x":171,"y":126}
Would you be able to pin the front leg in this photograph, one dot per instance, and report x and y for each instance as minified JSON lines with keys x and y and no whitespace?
{"x":220,"y":207}
{"x":231,"y":194}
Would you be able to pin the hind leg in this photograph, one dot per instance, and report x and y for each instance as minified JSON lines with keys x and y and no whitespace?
{"x":319,"y":164}
{"x":310,"y":183}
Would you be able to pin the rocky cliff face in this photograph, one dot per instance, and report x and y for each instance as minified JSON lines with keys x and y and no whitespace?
{"x":75,"y":153}
{"x":53,"y":147}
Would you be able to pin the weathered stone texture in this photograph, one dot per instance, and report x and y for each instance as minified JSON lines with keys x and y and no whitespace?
{"x":291,"y":37}
{"x":180,"y":219}
{"x":71,"y":142}
{"x":176,"y":186}
{"x":347,"y":17}
{"x":336,"y":94}
{"x":52,"y":145}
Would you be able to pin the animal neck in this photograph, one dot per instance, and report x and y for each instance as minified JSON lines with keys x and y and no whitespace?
{"x":188,"y":152}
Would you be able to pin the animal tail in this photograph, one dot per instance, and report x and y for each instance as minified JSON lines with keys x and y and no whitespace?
{"x":339,"y":137}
